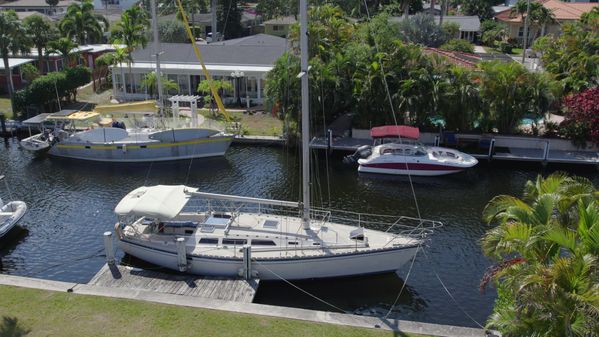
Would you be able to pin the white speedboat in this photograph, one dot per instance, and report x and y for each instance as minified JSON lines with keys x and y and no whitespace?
{"x":407,"y":156}
{"x":180,"y":228}
{"x":10,"y":214}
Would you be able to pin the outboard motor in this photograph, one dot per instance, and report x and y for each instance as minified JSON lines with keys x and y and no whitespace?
{"x":363,"y":151}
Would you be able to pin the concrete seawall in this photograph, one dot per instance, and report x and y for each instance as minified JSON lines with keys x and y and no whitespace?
{"x":247,"y":308}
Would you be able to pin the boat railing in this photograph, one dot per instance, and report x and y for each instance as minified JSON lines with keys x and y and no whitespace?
{"x":402,"y":225}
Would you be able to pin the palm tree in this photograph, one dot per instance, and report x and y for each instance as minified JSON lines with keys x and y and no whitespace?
{"x":118,"y":57}
{"x":130,"y":31}
{"x":40,"y":31}
{"x":65,"y":47}
{"x":521,"y":8}
{"x":13,"y":40}
{"x":543,"y":16}
{"x":547,"y":246}
{"x":149,"y":81}
{"x":82,"y":24}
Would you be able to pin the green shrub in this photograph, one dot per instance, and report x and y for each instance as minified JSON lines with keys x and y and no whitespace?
{"x":458,"y":45}
{"x":506,"y":47}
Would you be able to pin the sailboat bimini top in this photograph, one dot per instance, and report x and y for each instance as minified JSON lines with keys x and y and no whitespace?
{"x":162,"y":201}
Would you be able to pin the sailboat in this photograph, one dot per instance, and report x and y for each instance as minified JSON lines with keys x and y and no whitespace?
{"x":84,"y":135}
{"x":181,"y":228}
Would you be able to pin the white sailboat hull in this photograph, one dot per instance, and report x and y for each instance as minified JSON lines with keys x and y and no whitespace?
{"x":288,"y":268}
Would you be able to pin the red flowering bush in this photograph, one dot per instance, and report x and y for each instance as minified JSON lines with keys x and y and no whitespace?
{"x":582,"y":116}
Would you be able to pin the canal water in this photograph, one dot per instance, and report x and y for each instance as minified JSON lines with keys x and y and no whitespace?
{"x":71,"y":203}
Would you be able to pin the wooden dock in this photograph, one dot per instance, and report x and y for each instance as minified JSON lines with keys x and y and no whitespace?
{"x":116,"y":276}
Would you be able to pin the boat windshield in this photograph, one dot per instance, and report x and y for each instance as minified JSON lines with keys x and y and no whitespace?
{"x":413,"y":151}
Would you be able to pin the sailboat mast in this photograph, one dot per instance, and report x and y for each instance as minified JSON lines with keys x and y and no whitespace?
{"x":157,"y":54}
{"x":303,"y":12}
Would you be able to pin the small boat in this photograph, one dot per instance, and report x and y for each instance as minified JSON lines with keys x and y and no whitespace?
{"x":73,"y":138}
{"x":405,"y":155}
{"x":10,"y":214}
{"x":181,"y":228}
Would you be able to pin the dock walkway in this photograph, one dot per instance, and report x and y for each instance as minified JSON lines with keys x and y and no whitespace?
{"x":529,"y":154}
{"x":116,"y":276}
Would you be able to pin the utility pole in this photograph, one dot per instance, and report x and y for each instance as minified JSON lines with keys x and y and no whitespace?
{"x":525,"y":37}
{"x":157,"y":55}
{"x":214,"y":21}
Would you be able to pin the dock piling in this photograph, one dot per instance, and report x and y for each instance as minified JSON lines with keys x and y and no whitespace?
{"x":3,"y":126}
{"x":491,"y":148}
{"x":109,"y":248}
{"x":181,"y":255}
{"x":247,"y":262}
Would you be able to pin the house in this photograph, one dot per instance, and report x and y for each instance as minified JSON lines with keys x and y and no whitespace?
{"x":203,"y":21}
{"x":469,"y":25}
{"x":436,"y":10}
{"x":113,"y":4}
{"x":23,"y":15}
{"x":279,"y":26}
{"x":14,"y":63}
{"x":38,"y":6}
{"x":244,"y":62}
{"x":564,"y":12}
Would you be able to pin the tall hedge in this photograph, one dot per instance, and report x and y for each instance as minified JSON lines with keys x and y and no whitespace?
{"x":44,"y":90}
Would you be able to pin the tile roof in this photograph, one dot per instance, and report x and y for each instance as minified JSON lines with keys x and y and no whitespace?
{"x":462,"y":59}
{"x":561,"y":10}
{"x":286,"y":20}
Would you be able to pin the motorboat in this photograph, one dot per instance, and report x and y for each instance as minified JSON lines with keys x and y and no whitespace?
{"x":181,"y":228}
{"x":88,"y":136}
{"x":10,"y":214}
{"x":404,"y":155}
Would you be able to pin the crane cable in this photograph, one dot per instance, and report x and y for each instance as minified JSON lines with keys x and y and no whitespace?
{"x":217,"y":98}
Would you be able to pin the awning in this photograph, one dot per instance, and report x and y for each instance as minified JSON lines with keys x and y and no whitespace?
{"x":162,"y":201}
{"x":36,"y":120}
{"x":395,"y":131}
{"x":62,"y":114}
{"x":140,"y":108}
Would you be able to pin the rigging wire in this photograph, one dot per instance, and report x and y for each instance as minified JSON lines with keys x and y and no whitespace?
{"x":300,"y":289}
{"x":388,"y":93}
{"x":405,"y":281}
{"x":449,"y":293}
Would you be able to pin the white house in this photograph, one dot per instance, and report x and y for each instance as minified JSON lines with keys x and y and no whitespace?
{"x":244,"y":61}
{"x":38,"y":6}
{"x":113,"y":4}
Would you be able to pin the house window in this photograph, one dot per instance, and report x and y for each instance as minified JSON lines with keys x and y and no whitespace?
{"x":118,"y":81}
{"x":51,"y":66}
{"x":276,"y":28}
{"x":59,"y":65}
{"x":183,"y":82}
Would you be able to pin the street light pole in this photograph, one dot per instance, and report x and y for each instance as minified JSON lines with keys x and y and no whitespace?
{"x":525,"y":37}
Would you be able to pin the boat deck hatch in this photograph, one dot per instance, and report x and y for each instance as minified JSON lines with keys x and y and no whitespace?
{"x":271,"y":224}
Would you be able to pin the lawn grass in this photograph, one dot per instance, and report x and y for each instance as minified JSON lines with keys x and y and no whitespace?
{"x":258,"y":124}
{"x":6,"y":107}
{"x":492,"y":50}
{"x":45,"y":313}
{"x":88,"y":95}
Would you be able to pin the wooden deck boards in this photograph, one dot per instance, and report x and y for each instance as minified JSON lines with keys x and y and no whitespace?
{"x":237,"y":290}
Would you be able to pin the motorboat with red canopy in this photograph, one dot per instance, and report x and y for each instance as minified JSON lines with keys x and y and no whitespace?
{"x":396,"y":150}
